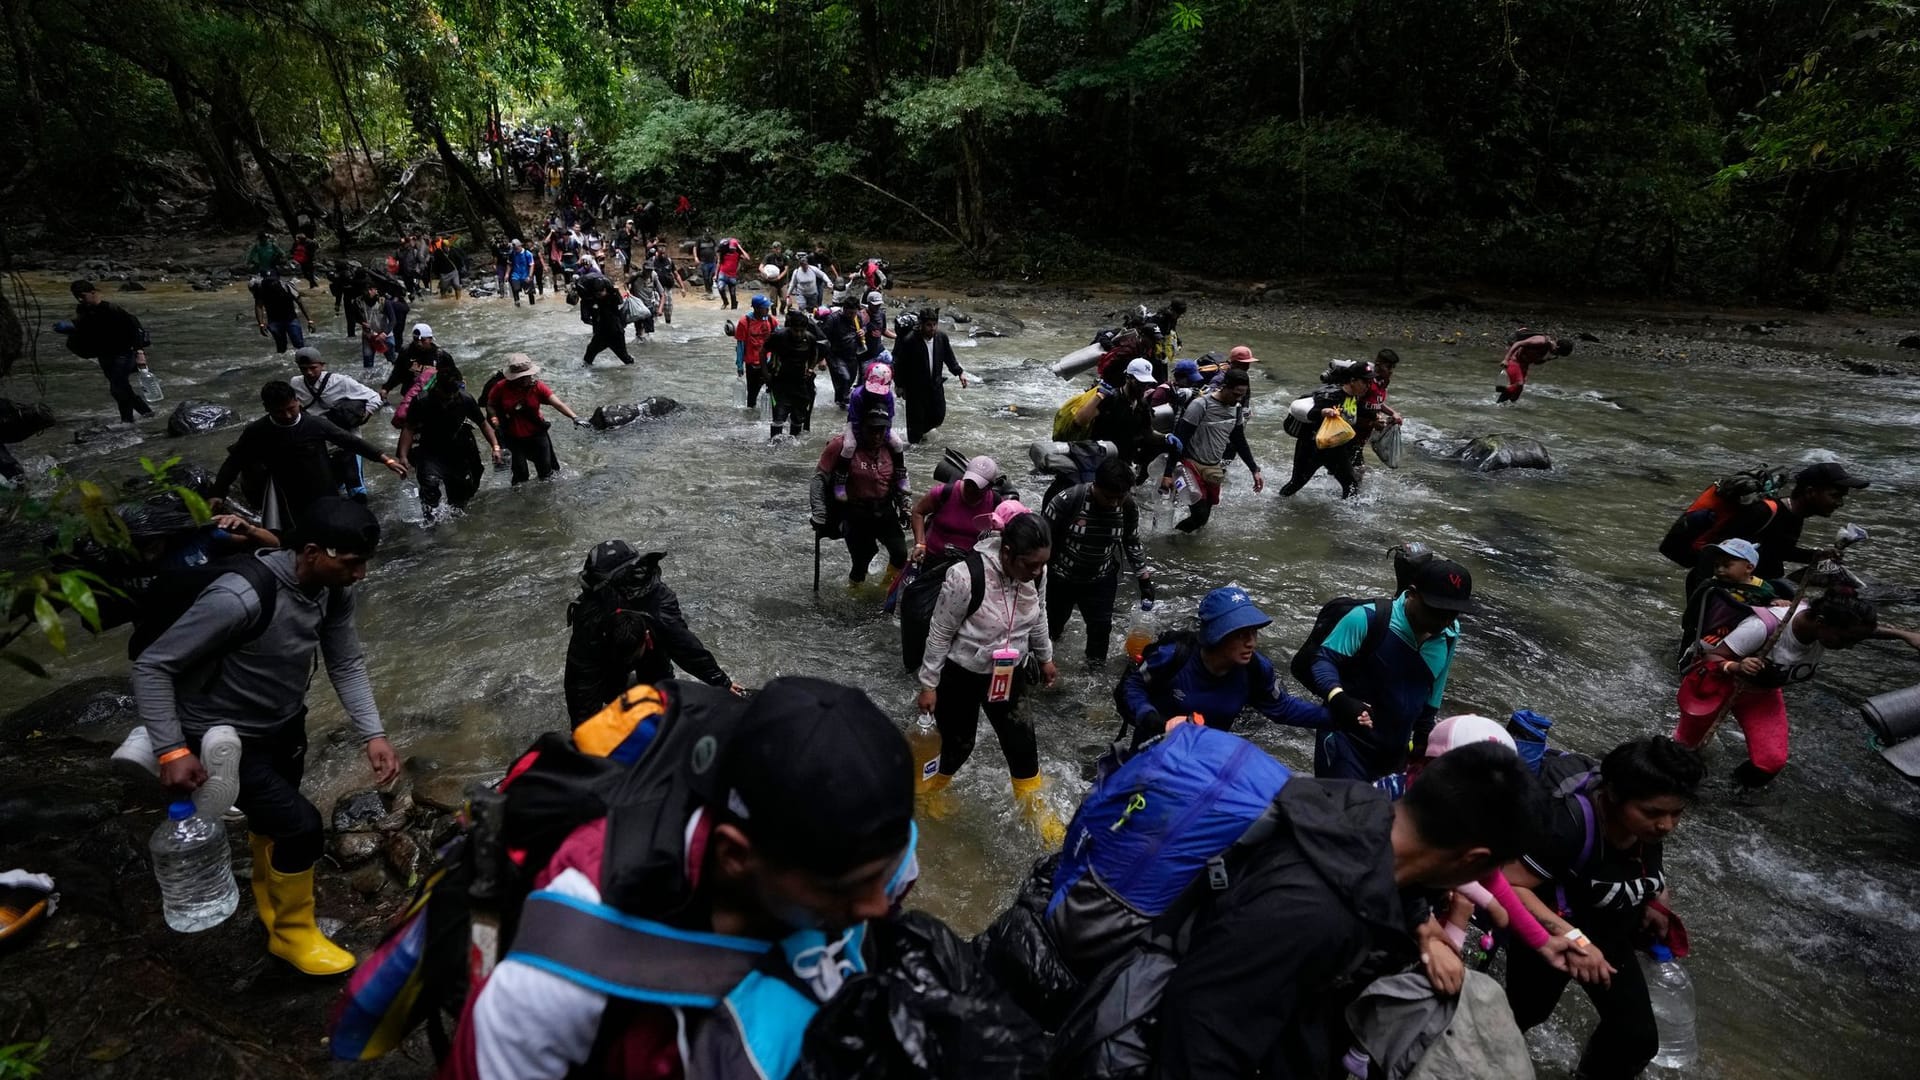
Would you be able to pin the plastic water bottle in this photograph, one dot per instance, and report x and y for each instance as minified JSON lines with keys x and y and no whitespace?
{"x":150,"y":385}
{"x":1671,"y":990}
{"x":1140,"y":632}
{"x":923,"y":740}
{"x":194,"y":867}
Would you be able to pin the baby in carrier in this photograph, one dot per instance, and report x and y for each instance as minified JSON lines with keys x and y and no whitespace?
{"x":1724,"y":600}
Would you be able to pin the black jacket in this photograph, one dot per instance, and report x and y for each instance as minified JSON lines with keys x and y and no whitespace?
{"x":603,"y":659}
{"x":1309,"y":920}
{"x":918,"y":369}
{"x":102,"y":330}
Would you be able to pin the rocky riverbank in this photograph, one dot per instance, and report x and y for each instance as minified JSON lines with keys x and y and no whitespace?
{"x":112,"y":990}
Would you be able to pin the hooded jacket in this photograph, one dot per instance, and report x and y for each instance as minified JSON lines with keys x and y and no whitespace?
{"x":1312,"y":917}
{"x":604,"y":659}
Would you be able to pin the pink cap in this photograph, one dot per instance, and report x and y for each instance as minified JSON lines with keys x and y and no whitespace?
{"x":1240,"y":354}
{"x":879,"y":379}
{"x":1457,"y":731}
{"x":1004,"y":513}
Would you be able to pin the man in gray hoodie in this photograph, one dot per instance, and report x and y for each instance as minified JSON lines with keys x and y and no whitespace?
{"x":216,"y":665}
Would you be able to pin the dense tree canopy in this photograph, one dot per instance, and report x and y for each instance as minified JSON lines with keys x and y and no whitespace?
{"x":1703,"y":147}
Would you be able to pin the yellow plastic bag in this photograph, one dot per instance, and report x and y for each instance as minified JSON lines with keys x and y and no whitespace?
{"x":1065,"y":427}
{"x":1334,"y":431}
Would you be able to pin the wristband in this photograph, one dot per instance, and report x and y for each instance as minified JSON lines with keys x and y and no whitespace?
{"x":1335,"y":692}
{"x":173,"y":755}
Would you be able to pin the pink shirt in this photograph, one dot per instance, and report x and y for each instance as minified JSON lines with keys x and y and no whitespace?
{"x":956,"y":522}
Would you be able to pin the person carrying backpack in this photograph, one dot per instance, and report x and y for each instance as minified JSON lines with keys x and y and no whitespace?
{"x":628,"y":631}
{"x":1773,"y":525}
{"x":437,"y":442}
{"x":1093,"y":526}
{"x":110,"y":335}
{"x":1213,"y":676}
{"x":989,"y":629}
{"x":241,"y":653}
{"x":1595,"y":876}
{"x":875,"y":505}
{"x":1336,"y":895}
{"x":1746,"y":673}
{"x":1346,"y":385}
{"x":1387,"y":661}
{"x":1213,"y":426}
{"x":794,"y":352}
{"x":696,"y":931}
{"x":292,"y":448}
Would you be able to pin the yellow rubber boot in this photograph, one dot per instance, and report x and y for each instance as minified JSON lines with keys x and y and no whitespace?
{"x":262,"y":860}
{"x":932,"y":799}
{"x":295,"y":937}
{"x":1033,"y":806}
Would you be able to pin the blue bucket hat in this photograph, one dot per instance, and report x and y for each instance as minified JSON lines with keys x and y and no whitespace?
{"x":1226,"y":610}
{"x":1739,"y":549}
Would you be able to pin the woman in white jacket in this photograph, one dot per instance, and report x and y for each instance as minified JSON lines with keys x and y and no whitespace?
{"x":982,"y":661}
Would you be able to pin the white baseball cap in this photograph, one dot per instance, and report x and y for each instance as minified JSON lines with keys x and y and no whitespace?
{"x":421,"y":329}
{"x":1141,"y":371}
{"x":1457,"y":731}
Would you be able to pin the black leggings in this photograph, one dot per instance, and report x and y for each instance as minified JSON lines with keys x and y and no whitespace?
{"x":1626,"y":1039}
{"x":956,"y":712}
{"x":1308,"y":459}
{"x":926,"y":410}
{"x":119,"y":372}
{"x":870,"y":527}
{"x":756,"y":378}
{"x":535,"y":450}
{"x":1095,"y":601}
{"x":603,"y":338}
{"x":271,"y":766}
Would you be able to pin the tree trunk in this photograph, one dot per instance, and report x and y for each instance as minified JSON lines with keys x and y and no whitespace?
{"x":34,"y":109}
{"x":460,"y":175}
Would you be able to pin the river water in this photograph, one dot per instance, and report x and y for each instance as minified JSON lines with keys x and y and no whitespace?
{"x":1804,"y":911}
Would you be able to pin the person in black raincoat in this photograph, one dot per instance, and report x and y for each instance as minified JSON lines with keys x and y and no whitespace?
{"x":628,"y":630}
{"x":921,"y":360}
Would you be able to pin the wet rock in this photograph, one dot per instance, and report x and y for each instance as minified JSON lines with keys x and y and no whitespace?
{"x":444,"y":792}
{"x":608,"y":417}
{"x":1492,"y":453}
{"x":1911,"y":341}
{"x":101,"y":707}
{"x":960,"y":318}
{"x":995,"y":324}
{"x":368,"y":880}
{"x":359,"y":811}
{"x":1861,"y":367}
{"x":199,"y":417}
{"x":406,"y":858}
{"x":100,"y":433}
{"x":55,"y":808}
{"x":130,"y":285}
{"x":204,"y":285}
{"x":1584,"y":336}
{"x":1756,"y":328}
{"x":393,"y":821}
{"x":354,"y":848}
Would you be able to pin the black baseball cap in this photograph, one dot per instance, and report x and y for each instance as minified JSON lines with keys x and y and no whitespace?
{"x":340,"y":524}
{"x":818,"y":777}
{"x":1445,"y":585}
{"x":1829,"y":474}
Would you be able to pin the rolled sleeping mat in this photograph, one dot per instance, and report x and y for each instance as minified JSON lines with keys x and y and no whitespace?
{"x":1163,"y":419}
{"x":1077,"y":361}
{"x":1895,"y":720}
{"x":1050,"y":457}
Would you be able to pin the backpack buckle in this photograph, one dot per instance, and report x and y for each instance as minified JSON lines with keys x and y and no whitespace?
{"x":1217,"y":874}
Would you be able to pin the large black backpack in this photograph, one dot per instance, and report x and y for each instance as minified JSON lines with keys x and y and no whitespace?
{"x":173,"y":593}
{"x":919,"y":596}
{"x":1329,"y":617}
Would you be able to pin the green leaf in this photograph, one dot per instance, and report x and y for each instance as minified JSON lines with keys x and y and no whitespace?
{"x":196,"y":505}
{"x":81,"y":599}
{"x":50,"y":624}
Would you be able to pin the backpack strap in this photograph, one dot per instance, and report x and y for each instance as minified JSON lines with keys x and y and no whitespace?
{"x":1378,"y":623}
{"x":1578,"y":789}
{"x":977,"y":579}
{"x":266,"y":587}
{"x":604,"y":949}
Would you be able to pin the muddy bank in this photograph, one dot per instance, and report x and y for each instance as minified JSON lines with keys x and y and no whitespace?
{"x":103,"y":980}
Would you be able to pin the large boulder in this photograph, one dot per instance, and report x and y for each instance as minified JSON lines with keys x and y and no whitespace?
{"x":100,"y":708}
{"x":1491,"y":453}
{"x":199,"y":417}
{"x":608,"y":417}
{"x":20,"y":421}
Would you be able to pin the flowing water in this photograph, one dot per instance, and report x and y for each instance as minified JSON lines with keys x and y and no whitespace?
{"x":1804,"y":911}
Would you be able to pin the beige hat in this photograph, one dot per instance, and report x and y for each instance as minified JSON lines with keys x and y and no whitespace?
{"x":521,"y":366}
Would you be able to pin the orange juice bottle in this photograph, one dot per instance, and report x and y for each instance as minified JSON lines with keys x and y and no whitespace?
{"x":923,"y":739}
{"x":1140,"y":634}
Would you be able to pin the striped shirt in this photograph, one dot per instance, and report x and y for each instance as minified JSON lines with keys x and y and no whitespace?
{"x":1088,"y":538}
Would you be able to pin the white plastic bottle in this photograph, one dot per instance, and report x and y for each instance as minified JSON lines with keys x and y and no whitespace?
{"x":194,"y":867}
{"x":150,"y":385}
{"x":1671,"y":991}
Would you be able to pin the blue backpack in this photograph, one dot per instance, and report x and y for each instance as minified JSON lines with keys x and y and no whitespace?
{"x":1151,"y":831}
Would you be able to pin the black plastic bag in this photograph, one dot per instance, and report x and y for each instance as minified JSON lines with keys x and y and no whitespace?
{"x":19,"y":422}
{"x":199,"y":417}
{"x":1019,"y":952}
{"x":925,"y":1009}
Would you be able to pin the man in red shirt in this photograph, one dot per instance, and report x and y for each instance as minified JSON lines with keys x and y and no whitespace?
{"x":1520,"y":358}
{"x":515,"y":403}
{"x":727,"y":275}
{"x":750,"y":348}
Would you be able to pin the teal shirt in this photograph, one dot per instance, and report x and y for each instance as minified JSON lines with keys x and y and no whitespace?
{"x":1350,"y":633}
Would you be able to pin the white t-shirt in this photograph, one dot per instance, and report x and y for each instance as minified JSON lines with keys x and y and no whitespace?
{"x":1793,"y":660}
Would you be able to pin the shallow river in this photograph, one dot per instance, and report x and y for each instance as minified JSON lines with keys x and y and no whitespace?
{"x":1805,"y":911}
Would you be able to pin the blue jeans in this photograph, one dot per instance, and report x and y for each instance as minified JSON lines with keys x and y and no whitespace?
{"x":289,"y":331}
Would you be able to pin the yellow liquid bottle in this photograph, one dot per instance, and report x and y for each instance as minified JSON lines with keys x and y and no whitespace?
{"x":1139,"y":635}
{"x":923,"y":740}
